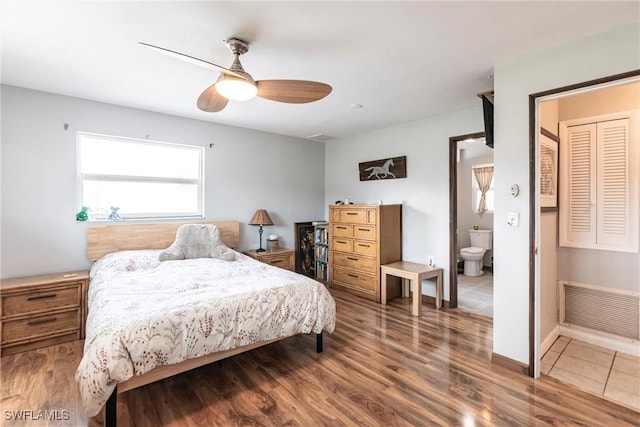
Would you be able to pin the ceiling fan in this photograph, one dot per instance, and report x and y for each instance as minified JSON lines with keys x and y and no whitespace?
{"x":237,"y":85}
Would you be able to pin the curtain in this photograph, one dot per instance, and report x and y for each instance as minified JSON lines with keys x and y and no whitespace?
{"x":483,"y":175}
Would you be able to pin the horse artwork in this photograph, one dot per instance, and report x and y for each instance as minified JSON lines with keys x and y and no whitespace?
{"x":392,"y":168}
{"x":381,"y":171}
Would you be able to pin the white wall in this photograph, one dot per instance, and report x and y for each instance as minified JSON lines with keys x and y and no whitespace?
{"x":424,"y":194}
{"x":599,"y":56}
{"x":245,"y":170}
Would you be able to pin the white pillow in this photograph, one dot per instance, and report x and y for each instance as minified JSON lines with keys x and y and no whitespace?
{"x":197,"y":241}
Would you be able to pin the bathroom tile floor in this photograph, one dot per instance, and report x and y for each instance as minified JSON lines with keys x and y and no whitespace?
{"x":475,"y":293}
{"x":608,"y":373}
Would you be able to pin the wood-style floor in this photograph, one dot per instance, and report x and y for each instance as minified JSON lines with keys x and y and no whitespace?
{"x":381,"y":367}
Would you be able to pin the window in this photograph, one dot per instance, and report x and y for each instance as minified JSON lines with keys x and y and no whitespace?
{"x":144,"y":179}
{"x":476,"y":193}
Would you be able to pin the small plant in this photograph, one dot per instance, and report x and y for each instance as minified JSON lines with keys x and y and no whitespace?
{"x":83,"y":214}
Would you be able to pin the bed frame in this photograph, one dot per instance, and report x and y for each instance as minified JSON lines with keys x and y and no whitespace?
{"x":104,"y":239}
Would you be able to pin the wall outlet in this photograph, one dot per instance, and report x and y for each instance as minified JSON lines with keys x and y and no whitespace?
{"x":432,"y":261}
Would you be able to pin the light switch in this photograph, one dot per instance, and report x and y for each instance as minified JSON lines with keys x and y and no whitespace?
{"x":513,"y":219}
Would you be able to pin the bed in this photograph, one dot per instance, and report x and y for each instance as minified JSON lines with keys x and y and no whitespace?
{"x":150,"y":319}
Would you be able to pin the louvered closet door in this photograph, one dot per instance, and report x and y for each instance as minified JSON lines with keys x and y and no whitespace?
{"x":613,"y":183}
{"x":600,"y":183}
{"x":580,"y":196}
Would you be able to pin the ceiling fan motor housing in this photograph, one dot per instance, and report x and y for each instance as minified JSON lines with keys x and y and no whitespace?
{"x":237,"y":46}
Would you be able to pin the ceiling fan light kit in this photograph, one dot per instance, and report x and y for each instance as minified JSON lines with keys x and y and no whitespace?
{"x":235,"y":84}
{"x":236,"y":89}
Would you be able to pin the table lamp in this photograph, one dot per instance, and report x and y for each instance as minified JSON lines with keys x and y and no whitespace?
{"x":261,"y":217}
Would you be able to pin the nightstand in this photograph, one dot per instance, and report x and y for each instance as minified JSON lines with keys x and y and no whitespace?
{"x":39,"y":311}
{"x":281,"y":257}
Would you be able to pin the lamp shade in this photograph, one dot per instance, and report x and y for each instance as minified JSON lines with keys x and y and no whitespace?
{"x":261,"y":217}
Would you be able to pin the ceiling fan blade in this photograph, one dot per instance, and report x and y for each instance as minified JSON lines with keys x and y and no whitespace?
{"x":292,"y":91}
{"x":211,"y":101}
{"x":192,"y":60}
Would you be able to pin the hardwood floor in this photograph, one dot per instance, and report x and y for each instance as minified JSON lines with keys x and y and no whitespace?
{"x":381,"y":367}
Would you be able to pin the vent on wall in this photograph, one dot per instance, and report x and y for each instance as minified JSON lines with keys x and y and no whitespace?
{"x":321,"y":137}
{"x":600,"y":309}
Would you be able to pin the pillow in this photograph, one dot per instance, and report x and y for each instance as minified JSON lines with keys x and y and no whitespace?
{"x":126,"y":261}
{"x":197,"y":241}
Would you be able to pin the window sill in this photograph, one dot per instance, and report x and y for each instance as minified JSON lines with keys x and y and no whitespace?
{"x":133,"y":220}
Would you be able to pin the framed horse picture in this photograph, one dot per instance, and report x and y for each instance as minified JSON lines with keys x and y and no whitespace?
{"x":392,"y":168}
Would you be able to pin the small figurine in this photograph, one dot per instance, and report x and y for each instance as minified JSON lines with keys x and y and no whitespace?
{"x":83,"y":215}
{"x":114,"y":215}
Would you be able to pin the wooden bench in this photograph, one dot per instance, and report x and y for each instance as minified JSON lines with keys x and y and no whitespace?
{"x":411,"y":271}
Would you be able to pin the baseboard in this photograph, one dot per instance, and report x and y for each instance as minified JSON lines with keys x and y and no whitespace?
{"x":623,"y":345}
{"x":549,"y":340}
{"x":510,"y":364}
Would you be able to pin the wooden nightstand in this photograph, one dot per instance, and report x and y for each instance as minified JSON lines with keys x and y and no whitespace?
{"x":39,"y":311}
{"x":281,"y":257}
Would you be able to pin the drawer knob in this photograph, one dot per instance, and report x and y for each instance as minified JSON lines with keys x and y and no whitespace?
{"x":342,"y":242}
{"x":38,"y":297}
{"x":352,"y":275}
{"x":352,"y":259}
{"x":352,"y":213}
{"x":364,"y":229}
{"x":276,"y":261}
{"x":341,"y":228}
{"x":364,"y":246}
{"x":43,"y":320}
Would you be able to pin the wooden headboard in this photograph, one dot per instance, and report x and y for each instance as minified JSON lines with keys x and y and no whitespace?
{"x":104,"y":239}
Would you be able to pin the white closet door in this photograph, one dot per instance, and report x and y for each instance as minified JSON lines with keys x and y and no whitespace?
{"x":613,"y":185}
{"x":600,"y":183}
{"x":578,"y":193}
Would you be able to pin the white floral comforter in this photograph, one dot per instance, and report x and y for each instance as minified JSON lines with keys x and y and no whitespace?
{"x":145,"y":313}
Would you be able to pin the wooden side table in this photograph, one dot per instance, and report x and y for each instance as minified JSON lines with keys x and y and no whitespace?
{"x":411,"y":271}
{"x":39,"y":311}
{"x":281,"y":257}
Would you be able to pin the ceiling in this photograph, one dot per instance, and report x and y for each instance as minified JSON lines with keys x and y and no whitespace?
{"x":399,"y":61}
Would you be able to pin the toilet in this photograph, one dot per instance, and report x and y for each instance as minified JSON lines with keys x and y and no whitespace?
{"x":481,"y":241}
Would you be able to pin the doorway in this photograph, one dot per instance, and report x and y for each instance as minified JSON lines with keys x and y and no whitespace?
{"x":545,"y":253}
{"x":454,"y":235}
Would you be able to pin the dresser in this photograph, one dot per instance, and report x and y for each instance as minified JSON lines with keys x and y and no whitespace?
{"x":363,"y":237}
{"x":281,"y":257}
{"x":39,"y":311}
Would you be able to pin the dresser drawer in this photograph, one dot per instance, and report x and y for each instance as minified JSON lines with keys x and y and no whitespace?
{"x":342,"y":245}
{"x":364,"y":247}
{"x":354,"y":216}
{"x":39,"y":326}
{"x":282,"y":261}
{"x":365,"y":264}
{"x":42,"y":300}
{"x":342,"y":230}
{"x":366,"y":232}
{"x":358,"y":281}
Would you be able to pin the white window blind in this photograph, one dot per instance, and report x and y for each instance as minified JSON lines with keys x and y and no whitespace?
{"x":144,"y":179}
